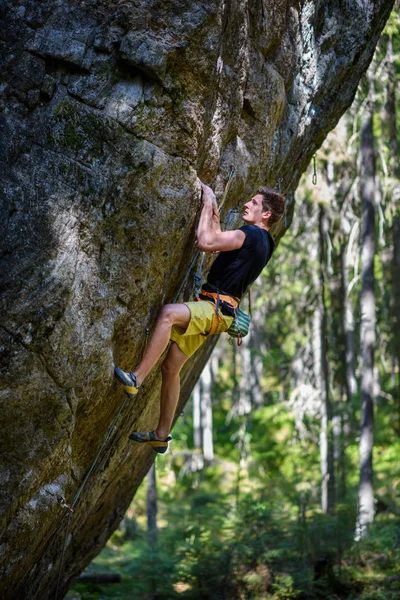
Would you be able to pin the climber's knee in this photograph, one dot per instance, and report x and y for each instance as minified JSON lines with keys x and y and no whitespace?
{"x":174,"y":314}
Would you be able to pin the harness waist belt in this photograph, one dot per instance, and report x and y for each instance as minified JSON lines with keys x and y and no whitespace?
{"x":222,"y":298}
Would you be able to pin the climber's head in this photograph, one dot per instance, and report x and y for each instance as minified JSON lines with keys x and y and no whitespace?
{"x":264,"y":209}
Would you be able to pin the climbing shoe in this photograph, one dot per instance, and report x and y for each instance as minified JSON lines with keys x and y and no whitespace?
{"x":128,"y":380}
{"x":160,"y":446}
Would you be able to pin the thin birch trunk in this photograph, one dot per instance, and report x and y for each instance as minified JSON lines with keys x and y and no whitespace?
{"x":197,"y":433}
{"x":245,"y":386}
{"x":390,"y":108}
{"x":346,"y":369}
{"x":367,"y":306}
{"x":326,"y":435}
{"x":197,"y":460}
{"x":395,"y":308}
{"x":348,"y":328}
{"x":206,"y":413}
{"x":391,"y":122}
{"x":341,"y":484}
{"x":235,"y":377}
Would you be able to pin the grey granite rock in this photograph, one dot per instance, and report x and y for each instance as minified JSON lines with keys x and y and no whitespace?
{"x":59,"y":45}
{"x":109,"y":113}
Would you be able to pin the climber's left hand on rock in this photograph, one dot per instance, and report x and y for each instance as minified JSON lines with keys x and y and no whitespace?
{"x":208,"y":197}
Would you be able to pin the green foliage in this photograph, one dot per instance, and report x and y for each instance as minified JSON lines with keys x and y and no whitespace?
{"x":392,"y":27}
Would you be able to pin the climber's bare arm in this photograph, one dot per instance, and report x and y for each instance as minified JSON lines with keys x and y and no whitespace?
{"x":210,"y":238}
{"x":216,"y":223}
{"x":211,"y":241}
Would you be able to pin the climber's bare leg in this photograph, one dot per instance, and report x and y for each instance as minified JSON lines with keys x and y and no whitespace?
{"x":170,"y":389}
{"x":170,"y":314}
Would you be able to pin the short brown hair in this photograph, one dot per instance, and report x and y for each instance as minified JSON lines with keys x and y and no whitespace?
{"x":274,"y":202}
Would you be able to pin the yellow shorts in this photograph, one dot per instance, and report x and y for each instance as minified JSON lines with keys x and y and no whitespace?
{"x":201,"y":317}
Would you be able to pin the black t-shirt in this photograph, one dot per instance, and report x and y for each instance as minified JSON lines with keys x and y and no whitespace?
{"x":233,"y":271}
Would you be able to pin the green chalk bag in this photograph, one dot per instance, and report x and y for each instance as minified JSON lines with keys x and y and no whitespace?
{"x":240,"y":325}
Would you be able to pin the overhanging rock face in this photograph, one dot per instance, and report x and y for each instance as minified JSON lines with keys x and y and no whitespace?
{"x":109,"y":113}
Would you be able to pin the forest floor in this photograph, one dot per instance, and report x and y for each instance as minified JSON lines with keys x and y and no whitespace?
{"x":368,"y":570}
{"x":254,"y":532}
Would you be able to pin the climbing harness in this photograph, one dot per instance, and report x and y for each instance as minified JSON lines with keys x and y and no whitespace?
{"x":218,"y":300}
{"x":240,"y":325}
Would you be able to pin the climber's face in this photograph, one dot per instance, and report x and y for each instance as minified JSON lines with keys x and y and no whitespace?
{"x":254,"y":213}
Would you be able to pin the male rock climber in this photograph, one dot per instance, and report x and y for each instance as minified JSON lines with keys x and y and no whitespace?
{"x":243,"y":253}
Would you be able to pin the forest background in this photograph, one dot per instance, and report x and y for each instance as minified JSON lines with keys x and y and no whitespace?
{"x":283,"y":478}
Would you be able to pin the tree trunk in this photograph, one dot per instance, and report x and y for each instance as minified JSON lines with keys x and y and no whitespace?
{"x":347,"y":404}
{"x":395,"y":308}
{"x":197,"y":432}
{"x":326,"y":435}
{"x":390,"y":109}
{"x":341,"y":469}
{"x":246,"y":381}
{"x":206,"y":413}
{"x":347,"y":384}
{"x":235,"y":376}
{"x":391,"y":125}
{"x":365,"y":493}
{"x":348,"y":328}
{"x":152,"y":531}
